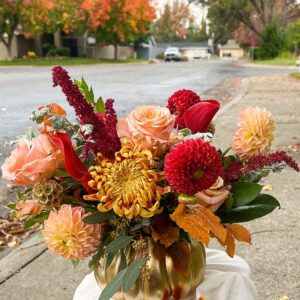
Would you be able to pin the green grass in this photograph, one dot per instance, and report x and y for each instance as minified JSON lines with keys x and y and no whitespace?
{"x":295,"y":75}
{"x":278,"y":61}
{"x":65,"y":61}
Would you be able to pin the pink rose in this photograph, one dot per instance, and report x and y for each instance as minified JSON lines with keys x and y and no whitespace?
{"x":32,"y":161}
{"x":149,"y":124}
{"x":28,"y":207}
{"x":214,"y":197}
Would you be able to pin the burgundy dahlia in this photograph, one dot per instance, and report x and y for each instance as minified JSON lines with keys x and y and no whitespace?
{"x":192,"y":166}
{"x":104,"y":134}
{"x":179,"y":102}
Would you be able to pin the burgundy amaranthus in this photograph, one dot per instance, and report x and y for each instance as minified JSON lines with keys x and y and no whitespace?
{"x":256,"y":163}
{"x":104,"y":132}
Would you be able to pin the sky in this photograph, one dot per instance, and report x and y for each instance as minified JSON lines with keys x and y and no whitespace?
{"x":197,"y":10}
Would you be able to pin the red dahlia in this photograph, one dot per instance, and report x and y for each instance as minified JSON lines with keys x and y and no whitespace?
{"x":179,"y":102}
{"x":192,"y":166}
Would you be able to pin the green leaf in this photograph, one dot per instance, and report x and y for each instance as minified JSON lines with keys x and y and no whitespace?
{"x":132,"y":273}
{"x":109,"y":259}
{"x":261,"y":206}
{"x":120,"y":243}
{"x":21,"y":196}
{"x":113,"y":286}
{"x":84,"y":85}
{"x":11,"y":205}
{"x":94,"y":262}
{"x":123,"y":262}
{"x":37,"y":219}
{"x":244,"y":192}
{"x":61,"y":173}
{"x":75,"y":262}
{"x":97,"y":217}
{"x":228,"y":203}
{"x":99,"y":106}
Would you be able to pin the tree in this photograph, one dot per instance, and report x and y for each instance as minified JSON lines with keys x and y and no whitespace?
{"x":174,"y":22}
{"x":197,"y":33}
{"x":9,"y":21}
{"x":293,"y":37}
{"x":227,"y":15}
{"x":119,"y":21}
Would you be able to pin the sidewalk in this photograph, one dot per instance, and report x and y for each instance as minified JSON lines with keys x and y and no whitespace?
{"x":31,"y":272}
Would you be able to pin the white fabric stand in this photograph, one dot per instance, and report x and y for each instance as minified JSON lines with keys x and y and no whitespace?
{"x":225,"y":279}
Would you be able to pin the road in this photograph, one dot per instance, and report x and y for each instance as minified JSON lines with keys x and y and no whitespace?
{"x":22,"y":89}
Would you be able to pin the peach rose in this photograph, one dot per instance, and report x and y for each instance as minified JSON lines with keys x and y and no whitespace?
{"x":32,"y":161}
{"x":55,"y":110}
{"x":214,"y":197}
{"x":28,"y":207}
{"x":150,"y":124}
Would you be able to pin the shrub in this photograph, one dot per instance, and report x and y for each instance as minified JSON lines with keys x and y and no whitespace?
{"x":48,"y":47}
{"x":272,"y":41}
{"x":63,"y":51}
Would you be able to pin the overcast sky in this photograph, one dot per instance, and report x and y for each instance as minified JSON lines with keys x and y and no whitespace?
{"x":197,"y":11}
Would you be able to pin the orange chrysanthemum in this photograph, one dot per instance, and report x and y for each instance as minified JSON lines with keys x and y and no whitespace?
{"x":67,"y":235}
{"x":126,"y":184}
{"x":255,"y":133}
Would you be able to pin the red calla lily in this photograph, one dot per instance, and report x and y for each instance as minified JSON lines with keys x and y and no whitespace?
{"x":198,"y":117}
{"x":74,"y":166}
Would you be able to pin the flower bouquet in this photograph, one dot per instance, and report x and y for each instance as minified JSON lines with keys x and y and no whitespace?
{"x":140,"y":193}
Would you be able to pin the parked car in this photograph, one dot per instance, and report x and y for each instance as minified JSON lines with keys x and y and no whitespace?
{"x":298,"y":63}
{"x":172,"y":53}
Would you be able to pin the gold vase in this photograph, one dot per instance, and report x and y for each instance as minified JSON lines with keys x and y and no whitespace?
{"x":174,"y":274}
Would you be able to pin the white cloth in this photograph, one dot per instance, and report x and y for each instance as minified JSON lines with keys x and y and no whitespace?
{"x":225,"y":279}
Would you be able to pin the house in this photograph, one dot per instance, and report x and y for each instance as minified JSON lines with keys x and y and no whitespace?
{"x":192,"y":50}
{"x":231,"y":49}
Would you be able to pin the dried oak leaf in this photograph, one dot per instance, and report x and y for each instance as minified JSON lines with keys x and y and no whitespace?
{"x":199,"y":222}
{"x":236,"y":232}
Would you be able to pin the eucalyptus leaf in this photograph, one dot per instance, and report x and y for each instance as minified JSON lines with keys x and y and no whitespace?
{"x":113,"y":286}
{"x":119,"y":243}
{"x":97,"y":217}
{"x":244,"y":192}
{"x":123,"y":262}
{"x":132,"y":273}
{"x":109,"y":259}
{"x":262,"y":205}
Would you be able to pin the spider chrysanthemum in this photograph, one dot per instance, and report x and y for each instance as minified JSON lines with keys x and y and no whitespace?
{"x":126,"y":184}
{"x":255,"y":133}
{"x":192,"y":166}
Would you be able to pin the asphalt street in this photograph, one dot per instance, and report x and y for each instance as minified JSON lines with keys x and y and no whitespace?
{"x":22,"y":89}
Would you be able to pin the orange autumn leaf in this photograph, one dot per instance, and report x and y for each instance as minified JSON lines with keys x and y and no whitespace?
{"x":199,"y":222}
{"x":239,"y":232}
{"x":163,"y":230}
{"x":236,"y":232}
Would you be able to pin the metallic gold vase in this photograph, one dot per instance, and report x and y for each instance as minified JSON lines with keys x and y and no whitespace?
{"x":174,"y":272}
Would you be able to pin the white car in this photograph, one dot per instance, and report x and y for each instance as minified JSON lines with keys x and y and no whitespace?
{"x":172,"y":53}
{"x":298,"y":63}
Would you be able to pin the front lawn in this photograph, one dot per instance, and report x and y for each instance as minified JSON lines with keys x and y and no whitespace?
{"x":70,"y":61}
{"x":295,"y":75}
{"x":278,"y":61}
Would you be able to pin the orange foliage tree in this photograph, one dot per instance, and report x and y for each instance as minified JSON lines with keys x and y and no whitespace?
{"x":116,"y":22}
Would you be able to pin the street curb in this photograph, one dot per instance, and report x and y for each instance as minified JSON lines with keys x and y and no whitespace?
{"x":245,"y":84}
{"x":21,"y":257}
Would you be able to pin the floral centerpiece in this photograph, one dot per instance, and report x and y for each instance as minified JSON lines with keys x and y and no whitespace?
{"x":139,"y":193}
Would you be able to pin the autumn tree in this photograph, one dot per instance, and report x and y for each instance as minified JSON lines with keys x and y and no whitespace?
{"x":227,"y":16}
{"x":9,"y":21}
{"x":174,"y":22}
{"x":117,"y":22}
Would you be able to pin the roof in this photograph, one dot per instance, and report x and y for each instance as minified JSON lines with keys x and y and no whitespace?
{"x":184,"y":45}
{"x":231,"y":44}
